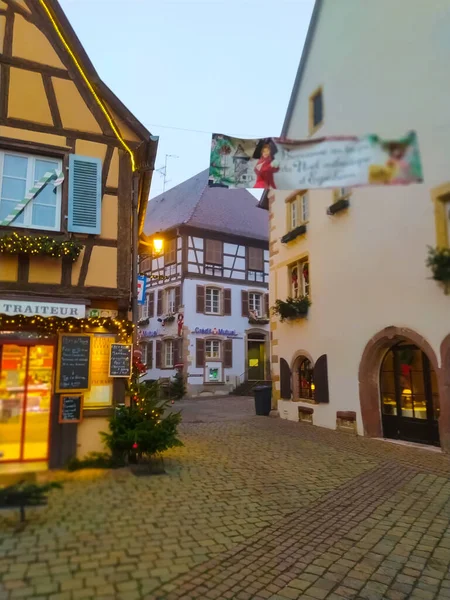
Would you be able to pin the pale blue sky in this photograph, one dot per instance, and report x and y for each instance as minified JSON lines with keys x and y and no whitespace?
{"x":224,"y":66}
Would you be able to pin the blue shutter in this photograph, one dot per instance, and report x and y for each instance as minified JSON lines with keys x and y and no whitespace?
{"x":85,"y":194}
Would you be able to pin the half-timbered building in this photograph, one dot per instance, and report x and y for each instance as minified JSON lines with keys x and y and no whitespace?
{"x":207,"y":299}
{"x":74,"y":163}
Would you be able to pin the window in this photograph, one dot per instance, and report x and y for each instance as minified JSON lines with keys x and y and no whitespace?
{"x":168,"y":353}
{"x":143,"y":311}
{"x":143,"y":349}
{"x":255,"y":303}
{"x":298,"y":210}
{"x":299,"y":279}
{"x":170,"y":300}
{"x":341,"y":193}
{"x":171,"y":252}
{"x":305,"y":378}
{"x":315,"y":111}
{"x":18,"y":174}
{"x":214,"y":252}
{"x":212,"y":349}
{"x":255,"y":259}
{"x":441,"y":199}
{"x":212,"y":301}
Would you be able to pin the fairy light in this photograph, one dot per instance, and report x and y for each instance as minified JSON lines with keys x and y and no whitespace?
{"x":88,"y":83}
{"x":13,"y":243}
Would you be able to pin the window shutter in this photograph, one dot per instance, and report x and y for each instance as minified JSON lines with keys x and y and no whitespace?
{"x":200,"y":353}
{"x":255,"y":259}
{"x":228,"y":354}
{"x":177,"y":298}
{"x":151,"y":305}
{"x":158,"y":354}
{"x":244,"y":299}
{"x":266,"y":306}
{"x":176,"y":352}
{"x":200,"y":299}
{"x":85,"y":194}
{"x":321,"y":380}
{"x":159,"y":308}
{"x":150,"y":354}
{"x":227,"y":302}
{"x":285,"y":380}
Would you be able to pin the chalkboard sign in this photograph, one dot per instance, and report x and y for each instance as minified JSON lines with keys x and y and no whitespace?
{"x":120,"y":360}
{"x":73,"y":371}
{"x":70,"y":408}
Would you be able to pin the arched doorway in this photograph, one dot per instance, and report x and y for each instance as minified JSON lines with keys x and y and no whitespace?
{"x":409,"y":395}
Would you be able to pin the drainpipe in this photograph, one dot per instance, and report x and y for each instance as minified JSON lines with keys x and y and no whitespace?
{"x":134,"y":253}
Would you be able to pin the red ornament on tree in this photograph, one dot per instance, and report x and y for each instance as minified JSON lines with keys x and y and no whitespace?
{"x":135,"y":445}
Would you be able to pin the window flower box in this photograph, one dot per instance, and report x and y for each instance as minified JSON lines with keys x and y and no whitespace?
{"x":258,"y":320}
{"x":292,"y":308}
{"x":143,"y":322}
{"x":337,"y":206}
{"x":291,"y":235}
{"x":167,"y":319}
{"x":439,"y":262}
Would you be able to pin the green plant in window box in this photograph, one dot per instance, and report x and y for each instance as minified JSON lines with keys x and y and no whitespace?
{"x":258,"y":320}
{"x":292,"y":308}
{"x":438,"y":261}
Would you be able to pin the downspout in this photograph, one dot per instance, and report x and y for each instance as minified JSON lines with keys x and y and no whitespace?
{"x":134,"y":252}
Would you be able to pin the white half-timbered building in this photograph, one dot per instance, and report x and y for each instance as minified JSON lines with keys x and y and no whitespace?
{"x":207,"y":303}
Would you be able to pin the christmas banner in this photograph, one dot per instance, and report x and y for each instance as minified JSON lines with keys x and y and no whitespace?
{"x":275,"y":163}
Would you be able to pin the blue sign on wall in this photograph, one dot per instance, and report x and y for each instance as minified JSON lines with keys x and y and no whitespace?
{"x":142,"y":287}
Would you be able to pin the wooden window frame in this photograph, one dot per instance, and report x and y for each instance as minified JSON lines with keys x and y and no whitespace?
{"x":250,"y":267}
{"x":214,"y":252}
{"x":314,"y":127}
{"x":441,"y":198}
{"x":298,"y":199}
{"x":59,"y":212}
{"x":261,"y":314}
{"x":167,"y":292}
{"x":339,"y":194}
{"x":170,"y":256}
{"x":164,"y":364}
{"x":305,"y":286}
{"x":220,"y":290}
{"x":213,"y":358}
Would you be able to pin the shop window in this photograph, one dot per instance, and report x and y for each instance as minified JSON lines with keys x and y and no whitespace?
{"x":299,"y":279}
{"x":171,"y":252}
{"x":18,"y":174}
{"x":212,"y":349}
{"x":316,"y":111}
{"x":298,"y":211}
{"x":212,"y":301}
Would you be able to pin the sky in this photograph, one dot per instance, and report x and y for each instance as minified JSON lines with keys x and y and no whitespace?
{"x":188,"y":68}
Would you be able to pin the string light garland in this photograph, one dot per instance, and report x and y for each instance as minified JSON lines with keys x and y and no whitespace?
{"x":52,"y":325}
{"x":13,"y":243}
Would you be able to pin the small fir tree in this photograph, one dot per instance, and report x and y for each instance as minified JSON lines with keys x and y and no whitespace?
{"x":177,"y":386}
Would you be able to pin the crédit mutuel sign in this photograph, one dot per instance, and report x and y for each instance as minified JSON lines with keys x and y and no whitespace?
{"x":43,"y":309}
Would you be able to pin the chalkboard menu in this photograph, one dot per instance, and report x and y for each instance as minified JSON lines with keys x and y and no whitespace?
{"x":70,"y":408}
{"x":73,"y":366}
{"x":120,"y":360}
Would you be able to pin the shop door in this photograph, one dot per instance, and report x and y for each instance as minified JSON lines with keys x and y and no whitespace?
{"x":409,"y":396}
{"x":25,"y":399}
{"x":255,"y":355}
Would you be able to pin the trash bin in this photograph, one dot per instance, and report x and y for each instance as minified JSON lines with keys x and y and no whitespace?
{"x":263,"y":399}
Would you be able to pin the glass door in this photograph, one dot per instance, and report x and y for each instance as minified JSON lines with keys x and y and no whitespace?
{"x":25,"y":400}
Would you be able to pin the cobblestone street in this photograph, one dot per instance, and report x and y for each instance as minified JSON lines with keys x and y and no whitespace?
{"x":250,"y":508}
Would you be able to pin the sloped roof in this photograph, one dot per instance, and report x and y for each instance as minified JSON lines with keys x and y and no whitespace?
{"x":196,"y":204}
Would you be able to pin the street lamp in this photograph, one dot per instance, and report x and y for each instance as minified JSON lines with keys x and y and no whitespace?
{"x":158,"y":245}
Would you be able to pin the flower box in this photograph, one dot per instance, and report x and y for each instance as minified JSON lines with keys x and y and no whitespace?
{"x":292,"y":308}
{"x":258,"y":321}
{"x":337,"y":206}
{"x":289,"y":237}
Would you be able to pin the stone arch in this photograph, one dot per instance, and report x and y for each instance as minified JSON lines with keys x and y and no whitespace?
{"x":369,"y":375}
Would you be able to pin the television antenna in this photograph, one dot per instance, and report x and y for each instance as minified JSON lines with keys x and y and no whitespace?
{"x":163,"y":170}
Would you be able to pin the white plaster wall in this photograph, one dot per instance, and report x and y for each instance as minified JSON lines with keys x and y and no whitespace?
{"x":384,"y":69}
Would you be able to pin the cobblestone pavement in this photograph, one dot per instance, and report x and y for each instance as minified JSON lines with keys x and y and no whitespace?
{"x":251,"y":508}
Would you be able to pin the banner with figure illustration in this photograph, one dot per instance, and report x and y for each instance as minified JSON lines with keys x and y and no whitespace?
{"x":334,"y":162}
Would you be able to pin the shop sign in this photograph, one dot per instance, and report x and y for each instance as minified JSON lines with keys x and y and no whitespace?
{"x":94,"y":313}
{"x":43,"y":309}
{"x":214,"y":331}
{"x":147,"y":333}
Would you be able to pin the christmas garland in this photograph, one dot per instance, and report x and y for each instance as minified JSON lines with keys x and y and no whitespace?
{"x":13,"y":243}
{"x":53,"y":325}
